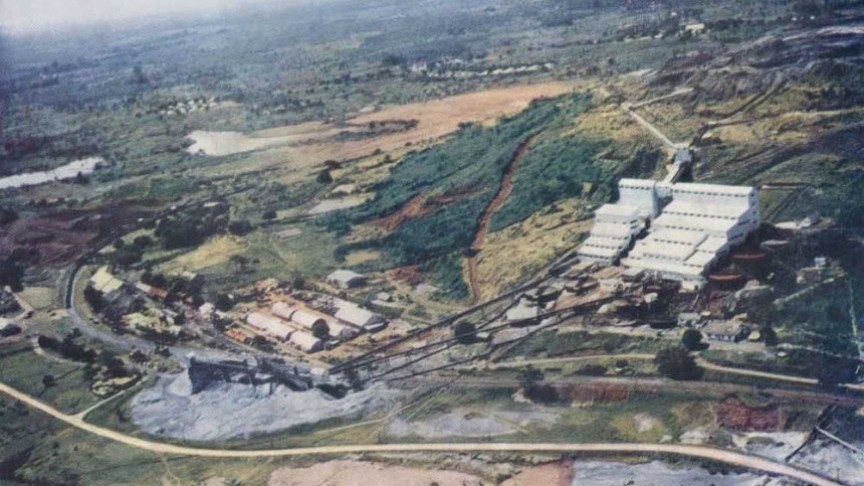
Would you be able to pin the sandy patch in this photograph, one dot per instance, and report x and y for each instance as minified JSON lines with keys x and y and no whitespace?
{"x":559,"y":474}
{"x":362,"y":256}
{"x":39,"y":297}
{"x":466,"y":423}
{"x":328,"y":205}
{"x":354,"y":473}
{"x":213,"y":252}
{"x":303,"y":148}
{"x":521,"y":249}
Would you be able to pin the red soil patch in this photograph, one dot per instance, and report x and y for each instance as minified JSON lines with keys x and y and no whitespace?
{"x":63,"y":236}
{"x":553,"y":474}
{"x":733,"y":413}
{"x":418,"y":207}
{"x":410,"y":274}
{"x":599,"y":393}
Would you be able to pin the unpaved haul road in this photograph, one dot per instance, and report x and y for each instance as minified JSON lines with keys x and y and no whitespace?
{"x":720,"y":455}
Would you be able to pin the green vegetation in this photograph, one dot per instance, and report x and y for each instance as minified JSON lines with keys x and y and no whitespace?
{"x":675,"y":362}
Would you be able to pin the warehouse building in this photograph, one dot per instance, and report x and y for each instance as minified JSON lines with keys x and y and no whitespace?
{"x":307,"y":342}
{"x":359,"y":317}
{"x":346,"y":279}
{"x":692,"y":225}
{"x":270,"y":326}
{"x":303,"y":319}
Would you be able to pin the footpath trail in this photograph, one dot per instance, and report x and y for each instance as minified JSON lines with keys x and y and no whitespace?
{"x":500,"y":198}
{"x":711,"y":453}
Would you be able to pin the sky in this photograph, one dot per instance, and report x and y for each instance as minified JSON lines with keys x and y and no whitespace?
{"x":24,"y":16}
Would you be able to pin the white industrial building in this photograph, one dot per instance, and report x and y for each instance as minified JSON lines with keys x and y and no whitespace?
{"x":359,"y":317}
{"x":302,"y":318}
{"x":691,"y":225}
{"x":307,"y":342}
{"x":270,"y":325}
{"x":346,"y":279}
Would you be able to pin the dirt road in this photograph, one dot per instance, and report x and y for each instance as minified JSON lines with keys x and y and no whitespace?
{"x":500,"y":198}
{"x":720,"y":455}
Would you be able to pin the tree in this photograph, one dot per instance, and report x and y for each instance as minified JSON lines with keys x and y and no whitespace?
{"x":692,"y":339}
{"x":11,"y":274}
{"x":240,"y":227}
{"x":269,"y":214}
{"x":7,"y":216}
{"x":324,"y":177}
{"x":142,"y":241}
{"x":529,"y":377}
{"x":119,"y":243}
{"x":94,"y":298}
{"x":223,"y":302}
{"x":48,"y":381}
{"x":465,"y":332}
{"x":675,"y":362}
{"x":769,"y":335}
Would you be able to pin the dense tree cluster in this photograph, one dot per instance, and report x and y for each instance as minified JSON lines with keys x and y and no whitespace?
{"x":675,"y":362}
{"x":192,"y":228}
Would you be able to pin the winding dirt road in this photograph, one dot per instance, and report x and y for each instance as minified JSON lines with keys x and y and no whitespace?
{"x":720,"y":455}
{"x":500,"y":198}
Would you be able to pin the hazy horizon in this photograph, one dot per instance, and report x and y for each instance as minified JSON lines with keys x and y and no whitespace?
{"x":33,"y":16}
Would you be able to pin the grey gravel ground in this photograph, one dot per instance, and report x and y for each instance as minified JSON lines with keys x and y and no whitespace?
{"x":655,"y":473}
{"x":229,"y":410}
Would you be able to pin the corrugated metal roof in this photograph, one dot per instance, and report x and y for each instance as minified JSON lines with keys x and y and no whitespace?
{"x":306,"y":341}
{"x":270,"y":325}
{"x":353,"y":314}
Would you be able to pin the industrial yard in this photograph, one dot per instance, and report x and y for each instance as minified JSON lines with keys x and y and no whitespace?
{"x":501,"y":243}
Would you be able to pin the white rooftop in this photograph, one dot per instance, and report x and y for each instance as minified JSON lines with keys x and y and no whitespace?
{"x":694,"y":223}
{"x":681,"y":237}
{"x":712,"y":244}
{"x":715,"y":189}
{"x":723,"y":210}
{"x":617,"y":210}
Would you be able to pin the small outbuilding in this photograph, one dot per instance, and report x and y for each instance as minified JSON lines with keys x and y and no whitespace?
{"x":731,"y":330}
{"x":346,"y":279}
{"x":357,"y":316}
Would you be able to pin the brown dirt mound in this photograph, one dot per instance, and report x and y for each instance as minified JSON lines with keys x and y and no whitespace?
{"x":733,"y":413}
{"x":600,"y":393}
{"x":410,"y":274}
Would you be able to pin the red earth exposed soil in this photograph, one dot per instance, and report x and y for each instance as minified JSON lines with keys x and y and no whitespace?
{"x":500,"y":198}
{"x":419,"y":206}
{"x":62,"y":236}
{"x":733,"y":413}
